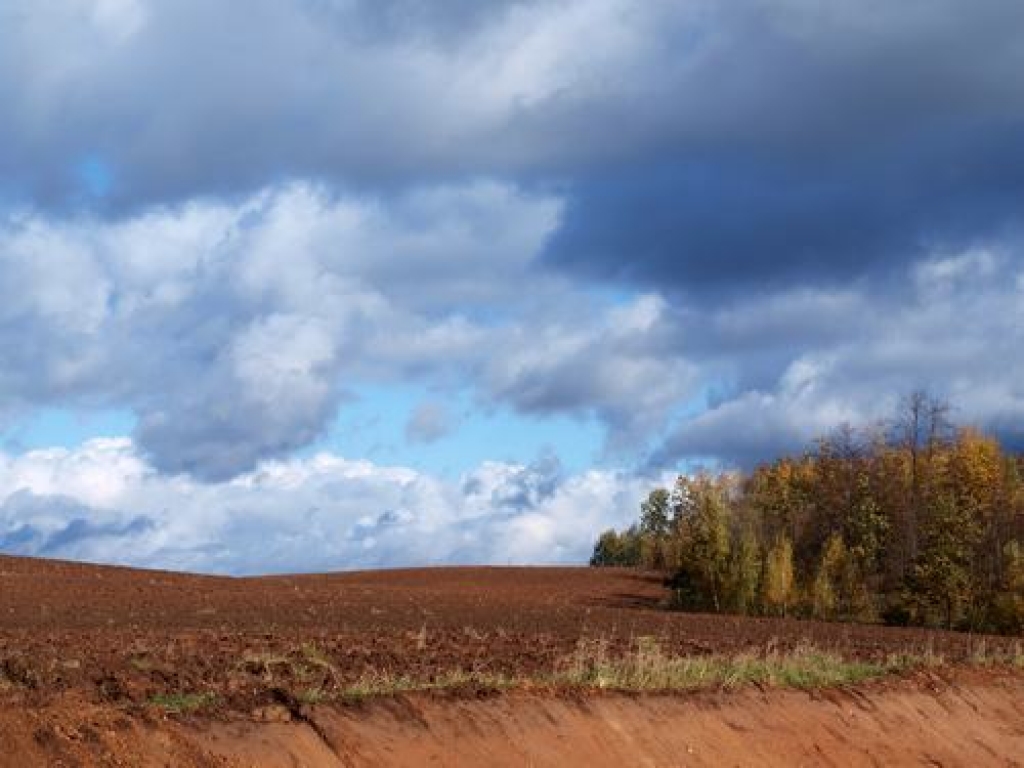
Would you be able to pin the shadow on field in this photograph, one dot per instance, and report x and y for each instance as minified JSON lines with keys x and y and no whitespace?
{"x":650,"y":594}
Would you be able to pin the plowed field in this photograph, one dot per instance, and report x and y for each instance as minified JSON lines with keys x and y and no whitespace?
{"x":128,"y":636}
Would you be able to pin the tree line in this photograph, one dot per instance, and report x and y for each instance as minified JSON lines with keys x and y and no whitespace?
{"x":914,"y":521}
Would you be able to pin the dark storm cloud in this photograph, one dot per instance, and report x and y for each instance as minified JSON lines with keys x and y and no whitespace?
{"x":445,"y":22}
{"x":816,"y":149}
{"x":715,"y":224}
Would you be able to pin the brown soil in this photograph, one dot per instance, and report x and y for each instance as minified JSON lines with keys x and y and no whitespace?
{"x":86,"y":651}
{"x":969,"y":719}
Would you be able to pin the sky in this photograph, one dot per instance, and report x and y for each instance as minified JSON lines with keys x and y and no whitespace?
{"x":299,"y":285}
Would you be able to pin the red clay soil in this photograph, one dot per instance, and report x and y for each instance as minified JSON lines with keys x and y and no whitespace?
{"x":971,"y":719}
{"x":86,"y":652}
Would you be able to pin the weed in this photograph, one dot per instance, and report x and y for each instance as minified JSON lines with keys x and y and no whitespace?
{"x":313,"y":696}
{"x":183,"y":703}
{"x":315,"y":663}
{"x":140,"y":663}
{"x":15,"y":672}
{"x":264,"y":664}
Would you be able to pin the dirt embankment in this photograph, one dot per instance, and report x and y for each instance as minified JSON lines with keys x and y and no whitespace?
{"x":970,"y":719}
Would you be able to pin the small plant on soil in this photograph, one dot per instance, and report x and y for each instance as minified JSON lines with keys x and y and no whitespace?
{"x":313,"y":696}
{"x":15,"y":672}
{"x":314,"y":664}
{"x":183,"y":703}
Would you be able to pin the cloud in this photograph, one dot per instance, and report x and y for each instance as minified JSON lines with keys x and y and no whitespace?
{"x":285,"y":90}
{"x":233,"y":330}
{"x":812,"y":145}
{"x":514,"y":489}
{"x":699,"y":146}
{"x":623,"y":366}
{"x":48,"y":526}
{"x":715,"y":228}
{"x":319,"y":513}
{"x":954,"y":328}
{"x":230,"y":329}
{"x":429,"y":422}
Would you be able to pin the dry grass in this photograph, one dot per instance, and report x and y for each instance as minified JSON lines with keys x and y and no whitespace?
{"x":373,"y":684}
{"x":983,"y":655}
{"x":648,"y":668}
{"x":645,"y":669}
{"x":592,"y":666}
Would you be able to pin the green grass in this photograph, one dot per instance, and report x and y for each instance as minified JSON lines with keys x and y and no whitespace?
{"x":183,"y":703}
{"x":313,"y":696}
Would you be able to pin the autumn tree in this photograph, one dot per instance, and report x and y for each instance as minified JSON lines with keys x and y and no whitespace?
{"x":941,"y":578}
{"x":617,"y":549}
{"x":779,"y":579}
{"x":744,"y":578}
{"x":654,"y":528}
{"x":908,"y":522}
{"x":828,"y":587}
{"x":702,"y":525}
{"x":921,"y":424}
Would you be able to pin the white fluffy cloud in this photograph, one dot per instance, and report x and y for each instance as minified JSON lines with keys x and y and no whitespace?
{"x":102,"y":502}
{"x":229,"y":328}
{"x":232,"y":330}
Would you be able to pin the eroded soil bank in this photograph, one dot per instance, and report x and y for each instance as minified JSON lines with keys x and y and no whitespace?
{"x":968,"y":718}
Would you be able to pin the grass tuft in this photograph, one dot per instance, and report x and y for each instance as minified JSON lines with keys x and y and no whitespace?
{"x":183,"y":703}
{"x":373,"y":684}
{"x":648,"y":668}
{"x":985,"y":656}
